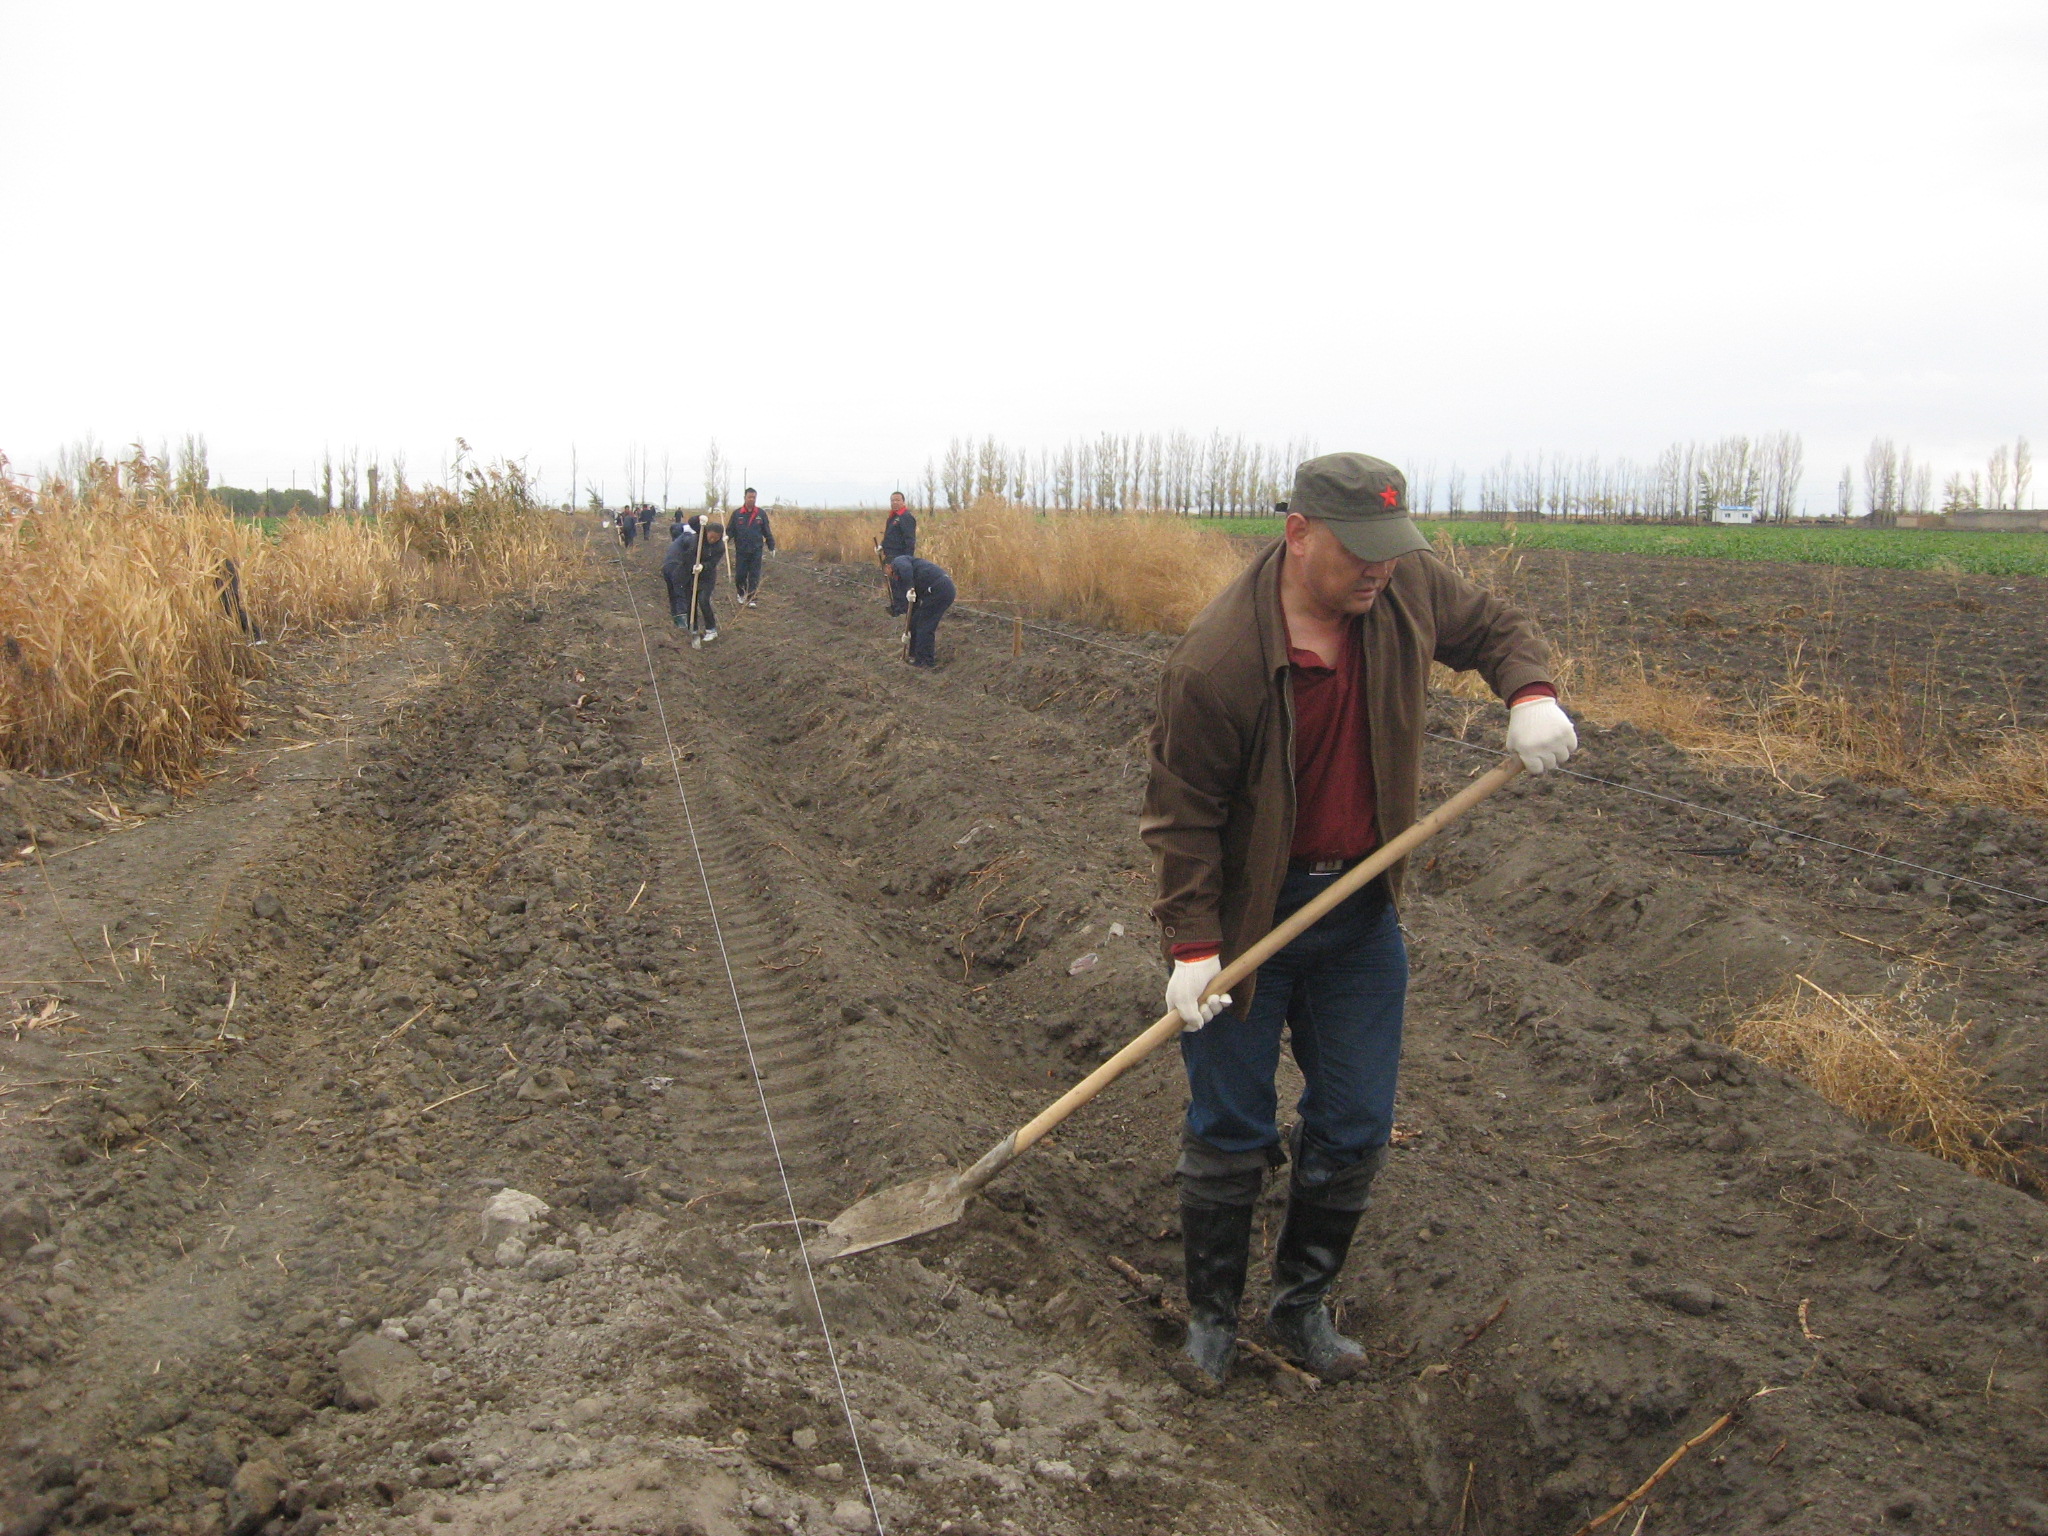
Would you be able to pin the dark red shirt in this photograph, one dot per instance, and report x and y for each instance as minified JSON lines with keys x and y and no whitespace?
{"x":1334,"y":807}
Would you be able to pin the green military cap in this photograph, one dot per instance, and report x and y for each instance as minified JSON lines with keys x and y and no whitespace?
{"x":1363,"y":499}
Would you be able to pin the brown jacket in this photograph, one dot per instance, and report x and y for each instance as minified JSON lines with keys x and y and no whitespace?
{"x":1219,"y":808}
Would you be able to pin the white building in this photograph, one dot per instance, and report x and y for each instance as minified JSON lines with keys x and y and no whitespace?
{"x":1735,"y":514}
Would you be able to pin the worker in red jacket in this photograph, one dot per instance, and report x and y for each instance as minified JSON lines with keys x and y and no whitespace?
{"x":750,"y":534}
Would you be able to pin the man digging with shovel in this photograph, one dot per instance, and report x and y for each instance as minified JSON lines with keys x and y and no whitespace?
{"x":1287,"y":746}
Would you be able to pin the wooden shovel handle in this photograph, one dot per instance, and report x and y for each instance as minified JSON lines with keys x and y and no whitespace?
{"x":1284,"y":934}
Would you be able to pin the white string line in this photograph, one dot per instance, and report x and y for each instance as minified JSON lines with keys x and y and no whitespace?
{"x":753,"y":1065}
{"x":1691,"y":805}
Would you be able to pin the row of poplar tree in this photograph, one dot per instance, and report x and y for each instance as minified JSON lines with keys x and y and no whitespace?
{"x":1230,"y":476}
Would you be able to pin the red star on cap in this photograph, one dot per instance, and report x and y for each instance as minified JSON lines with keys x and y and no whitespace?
{"x":1389,"y":497}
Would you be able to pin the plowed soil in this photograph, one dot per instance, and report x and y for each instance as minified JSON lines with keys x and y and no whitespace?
{"x":443,"y":931}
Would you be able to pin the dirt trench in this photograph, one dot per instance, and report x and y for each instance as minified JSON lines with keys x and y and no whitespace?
{"x":484,"y":962}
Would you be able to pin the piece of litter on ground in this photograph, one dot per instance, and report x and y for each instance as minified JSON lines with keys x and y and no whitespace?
{"x":1087,"y":962}
{"x":1116,"y":930}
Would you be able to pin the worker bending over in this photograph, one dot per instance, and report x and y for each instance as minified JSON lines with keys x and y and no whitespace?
{"x":925,"y":592}
{"x":691,"y":566}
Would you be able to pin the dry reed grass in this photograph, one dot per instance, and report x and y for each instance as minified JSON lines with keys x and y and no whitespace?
{"x":1888,"y":1062}
{"x":118,"y":638}
{"x":1117,"y":571}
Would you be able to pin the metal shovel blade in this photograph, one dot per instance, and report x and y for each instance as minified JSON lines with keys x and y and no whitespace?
{"x":891,"y":1215}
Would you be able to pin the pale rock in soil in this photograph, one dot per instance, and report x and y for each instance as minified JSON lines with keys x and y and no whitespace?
{"x":852,"y":1515}
{"x":509,"y":1216}
{"x":377,"y":1372}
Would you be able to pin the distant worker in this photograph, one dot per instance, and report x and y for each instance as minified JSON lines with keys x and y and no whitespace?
{"x":691,"y":565}
{"x":899,"y":534}
{"x":750,"y":535}
{"x":925,"y":592}
{"x":626,"y":526}
{"x":1287,"y":746}
{"x":647,"y":520}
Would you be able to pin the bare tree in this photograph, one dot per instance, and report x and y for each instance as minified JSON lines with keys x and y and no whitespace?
{"x":1881,"y":479}
{"x":1916,"y":484}
{"x":193,"y":477}
{"x":956,"y":477}
{"x":1997,"y":473}
{"x":2022,"y":472}
{"x":717,"y":477}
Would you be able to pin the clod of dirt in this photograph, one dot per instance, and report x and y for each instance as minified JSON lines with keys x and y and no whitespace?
{"x":852,"y":1515}
{"x":1687,"y":1296}
{"x":553,"y":1263}
{"x":23,"y":1223}
{"x":257,"y":1490}
{"x":546,"y":1008}
{"x":377,"y":1372}
{"x":607,"y":1193}
{"x":266,"y":906}
{"x":550,"y":1085}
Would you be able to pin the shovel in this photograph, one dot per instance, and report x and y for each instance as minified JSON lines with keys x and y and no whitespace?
{"x":910,"y":1210}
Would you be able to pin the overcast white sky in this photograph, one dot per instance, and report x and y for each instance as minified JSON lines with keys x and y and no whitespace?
{"x":834,"y":235}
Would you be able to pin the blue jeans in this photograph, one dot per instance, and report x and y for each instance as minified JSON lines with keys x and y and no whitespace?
{"x":746,"y":569}
{"x":924,"y":624}
{"x":1339,"y":989}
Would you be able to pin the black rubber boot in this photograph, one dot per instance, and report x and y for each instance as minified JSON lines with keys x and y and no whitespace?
{"x":1216,"y":1248}
{"x":1313,"y":1242}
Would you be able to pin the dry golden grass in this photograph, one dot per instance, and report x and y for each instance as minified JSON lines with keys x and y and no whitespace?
{"x":118,"y":641}
{"x":842,"y":538}
{"x":1889,"y":1063}
{"x":1117,"y":571}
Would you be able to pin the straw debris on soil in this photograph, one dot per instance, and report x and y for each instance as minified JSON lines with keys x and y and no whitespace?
{"x":1886,"y":1060}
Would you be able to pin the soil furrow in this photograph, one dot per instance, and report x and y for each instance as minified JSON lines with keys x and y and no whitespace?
{"x":490,"y":964}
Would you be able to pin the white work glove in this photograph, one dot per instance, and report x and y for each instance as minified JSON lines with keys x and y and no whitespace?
{"x":697,"y":569}
{"x":1540,"y":733}
{"x":1184,"y":991}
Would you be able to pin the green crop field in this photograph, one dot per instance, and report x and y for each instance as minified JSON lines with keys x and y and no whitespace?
{"x":1906,"y":549}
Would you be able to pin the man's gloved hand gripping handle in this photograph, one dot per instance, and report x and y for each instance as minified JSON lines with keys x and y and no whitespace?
{"x":1540,"y":733}
{"x":1184,"y":991}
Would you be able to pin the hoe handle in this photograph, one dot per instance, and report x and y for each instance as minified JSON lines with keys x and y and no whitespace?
{"x":1170,"y":1025}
